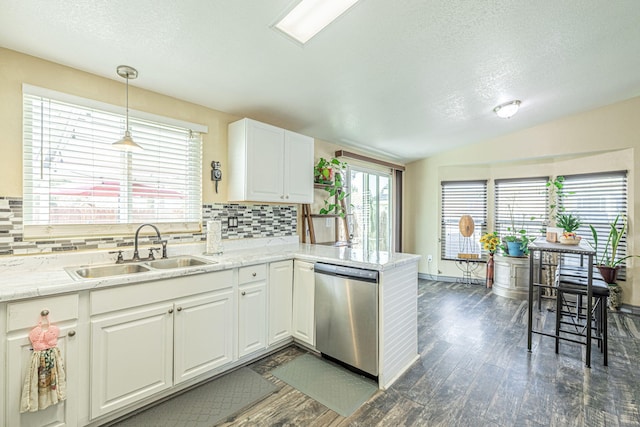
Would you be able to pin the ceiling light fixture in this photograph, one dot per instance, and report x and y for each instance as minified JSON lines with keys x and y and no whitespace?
{"x":126,"y":143}
{"x":508,"y":109}
{"x":309,"y":17}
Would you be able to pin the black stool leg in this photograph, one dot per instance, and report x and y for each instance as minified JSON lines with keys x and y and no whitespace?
{"x":559,"y":297}
{"x":605,"y":335}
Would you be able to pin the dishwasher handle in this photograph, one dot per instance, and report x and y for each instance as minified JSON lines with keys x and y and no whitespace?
{"x":346,"y":272}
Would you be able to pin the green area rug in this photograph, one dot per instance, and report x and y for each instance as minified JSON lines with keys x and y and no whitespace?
{"x":335,"y":387}
{"x":208,"y":404}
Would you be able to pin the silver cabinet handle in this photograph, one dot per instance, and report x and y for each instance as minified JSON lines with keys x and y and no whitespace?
{"x":179,"y":308}
{"x":170,"y":310}
{"x":72,"y":333}
{"x":254,"y":274}
{"x":243,"y":293}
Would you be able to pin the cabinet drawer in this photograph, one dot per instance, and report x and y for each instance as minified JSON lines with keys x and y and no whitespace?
{"x":253,"y":273}
{"x":26,"y":314}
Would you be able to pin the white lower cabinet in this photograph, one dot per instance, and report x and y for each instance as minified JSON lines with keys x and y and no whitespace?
{"x":203,"y":334}
{"x":280,"y":300}
{"x":131,"y":355}
{"x":303,"y":302}
{"x":252,"y":309}
{"x":140,"y":340}
{"x":22,"y":317}
{"x":137,"y":350}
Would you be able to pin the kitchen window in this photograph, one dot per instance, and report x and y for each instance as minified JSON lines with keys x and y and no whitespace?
{"x":462,"y":198}
{"x":76,"y":184}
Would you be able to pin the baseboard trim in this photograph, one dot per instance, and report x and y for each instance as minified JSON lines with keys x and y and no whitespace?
{"x":631,"y":309}
{"x":438,"y":278}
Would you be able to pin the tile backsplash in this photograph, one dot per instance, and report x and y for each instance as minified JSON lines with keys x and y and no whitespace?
{"x":253,"y":221}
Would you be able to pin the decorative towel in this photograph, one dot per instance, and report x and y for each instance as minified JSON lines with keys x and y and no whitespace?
{"x":45,"y":383}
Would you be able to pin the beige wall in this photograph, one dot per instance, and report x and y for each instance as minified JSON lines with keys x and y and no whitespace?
{"x":605,"y":139}
{"x":16,"y":69}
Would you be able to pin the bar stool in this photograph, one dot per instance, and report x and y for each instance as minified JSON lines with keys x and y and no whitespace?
{"x":573,"y":281}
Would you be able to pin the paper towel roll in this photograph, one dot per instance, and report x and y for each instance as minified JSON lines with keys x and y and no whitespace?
{"x":214,"y":237}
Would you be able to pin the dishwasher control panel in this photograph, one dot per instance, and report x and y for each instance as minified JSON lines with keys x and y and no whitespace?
{"x":350,"y":272}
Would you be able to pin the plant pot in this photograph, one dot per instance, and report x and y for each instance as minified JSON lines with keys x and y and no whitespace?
{"x":609,"y":274}
{"x":514,"y":248}
{"x":324,"y":176}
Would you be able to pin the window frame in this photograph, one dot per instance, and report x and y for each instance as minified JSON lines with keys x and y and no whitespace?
{"x":454,"y":206}
{"x":595,"y":208}
{"x":193,"y":176}
{"x":525,"y":193}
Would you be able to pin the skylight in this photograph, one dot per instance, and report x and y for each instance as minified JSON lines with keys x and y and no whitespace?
{"x":309,"y":17}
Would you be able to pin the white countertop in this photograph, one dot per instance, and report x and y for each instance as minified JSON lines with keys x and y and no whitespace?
{"x":40,"y":275}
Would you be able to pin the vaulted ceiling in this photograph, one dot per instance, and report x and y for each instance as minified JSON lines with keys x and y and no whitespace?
{"x":403,"y":79}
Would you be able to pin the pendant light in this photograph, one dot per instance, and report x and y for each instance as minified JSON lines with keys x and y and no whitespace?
{"x":126,"y":143}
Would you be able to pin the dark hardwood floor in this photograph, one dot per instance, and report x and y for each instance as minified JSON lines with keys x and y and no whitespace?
{"x":475,"y":370}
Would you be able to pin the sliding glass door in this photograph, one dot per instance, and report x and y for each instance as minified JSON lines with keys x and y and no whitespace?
{"x":370,"y":223}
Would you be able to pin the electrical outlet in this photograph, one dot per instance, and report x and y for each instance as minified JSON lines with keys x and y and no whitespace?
{"x":429,"y":258}
{"x":232,"y":222}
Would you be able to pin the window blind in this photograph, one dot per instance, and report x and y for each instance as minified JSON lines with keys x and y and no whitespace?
{"x":597,"y":199}
{"x":520,"y":199}
{"x":462,"y":198}
{"x":74,"y":178}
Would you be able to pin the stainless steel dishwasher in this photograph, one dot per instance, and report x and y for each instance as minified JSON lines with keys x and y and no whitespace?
{"x":346,"y":312}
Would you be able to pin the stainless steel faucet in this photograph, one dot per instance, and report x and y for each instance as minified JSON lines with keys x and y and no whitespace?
{"x":136,"y":255}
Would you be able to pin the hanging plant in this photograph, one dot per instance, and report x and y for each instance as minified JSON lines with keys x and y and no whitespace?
{"x":331,"y":173}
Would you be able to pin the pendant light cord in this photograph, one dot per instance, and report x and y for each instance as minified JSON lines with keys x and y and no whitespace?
{"x":127,"y":93}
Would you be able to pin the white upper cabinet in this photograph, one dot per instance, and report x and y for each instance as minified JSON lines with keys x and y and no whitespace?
{"x":269,"y":164}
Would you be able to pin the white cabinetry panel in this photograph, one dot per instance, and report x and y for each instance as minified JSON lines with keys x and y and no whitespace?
{"x":303,"y":302}
{"x":132,"y":356}
{"x":280,"y":300}
{"x":203,"y":334}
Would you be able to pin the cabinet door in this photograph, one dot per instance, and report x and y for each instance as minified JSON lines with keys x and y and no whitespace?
{"x":280,"y":300}
{"x":265,"y":162}
{"x":303,"y":302}
{"x":203,"y":334}
{"x":18,"y":361}
{"x":131,"y":355}
{"x":298,"y":172}
{"x":252,"y":315}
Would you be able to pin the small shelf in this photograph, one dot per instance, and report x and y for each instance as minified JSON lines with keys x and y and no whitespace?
{"x":323,"y":186}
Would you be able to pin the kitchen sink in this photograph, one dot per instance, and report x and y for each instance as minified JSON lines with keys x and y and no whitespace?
{"x":92,"y":272}
{"x":177,"y":262}
{"x":97,"y":271}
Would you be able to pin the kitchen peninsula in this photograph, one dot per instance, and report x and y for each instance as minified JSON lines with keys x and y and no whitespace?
{"x":250,"y":296}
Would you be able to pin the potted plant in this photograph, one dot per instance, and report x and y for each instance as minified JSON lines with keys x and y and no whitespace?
{"x":331,"y":173}
{"x":608,"y":262}
{"x":516,"y":241}
{"x":323,"y":170}
{"x":569,"y":225}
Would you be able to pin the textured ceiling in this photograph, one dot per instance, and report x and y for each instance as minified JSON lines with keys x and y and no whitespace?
{"x":404,"y":79}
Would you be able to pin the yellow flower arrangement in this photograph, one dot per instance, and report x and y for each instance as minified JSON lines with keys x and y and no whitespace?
{"x":490,"y":242}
